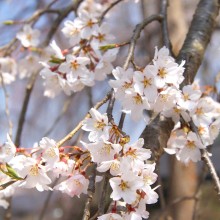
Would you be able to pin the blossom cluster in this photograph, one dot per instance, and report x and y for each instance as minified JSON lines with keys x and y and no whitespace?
{"x":129,"y":165}
{"x":38,"y":166}
{"x":84,"y":62}
{"x":70,"y":69}
{"x":157,"y":88}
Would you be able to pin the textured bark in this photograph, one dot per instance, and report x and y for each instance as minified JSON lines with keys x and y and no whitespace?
{"x":157,"y":133}
{"x":183,"y":182}
{"x":198,"y":37}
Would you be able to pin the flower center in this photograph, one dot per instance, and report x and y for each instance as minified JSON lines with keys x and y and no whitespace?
{"x":147,"y":82}
{"x":191,"y":144}
{"x":199,"y":111}
{"x":34,"y":170}
{"x":100,"y":125}
{"x":162,"y":73}
{"x":50,"y":152}
{"x":74,"y":65}
{"x":124,"y":185}
{"x":138,"y":100}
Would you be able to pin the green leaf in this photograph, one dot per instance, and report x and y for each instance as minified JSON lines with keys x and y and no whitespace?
{"x":12,"y":173}
{"x":108,"y":46}
{"x":56,"y":60}
{"x":8,"y":22}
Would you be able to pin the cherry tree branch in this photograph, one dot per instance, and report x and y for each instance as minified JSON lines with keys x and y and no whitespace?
{"x":80,"y":124}
{"x":165,"y":34}
{"x":108,"y":9}
{"x":212,"y":170}
{"x":197,"y":39}
{"x":90,"y":193}
{"x":136,"y":35}
{"x":21,"y":120}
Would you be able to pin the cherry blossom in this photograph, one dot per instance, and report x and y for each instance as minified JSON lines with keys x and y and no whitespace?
{"x":74,"y":186}
{"x":28,"y":36}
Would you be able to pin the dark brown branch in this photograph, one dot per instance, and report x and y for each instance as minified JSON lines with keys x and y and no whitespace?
{"x":65,"y":12}
{"x":136,"y":35}
{"x":21,"y":120}
{"x":102,"y":203}
{"x":165,"y":34}
{"x":90,"y":193}
{"x":198,"y":37}
{"x":108,"y":9}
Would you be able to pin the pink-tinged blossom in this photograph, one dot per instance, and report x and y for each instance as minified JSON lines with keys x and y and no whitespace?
{"x":63,"y":168}
{"x":102,"y":36}
{"x":189,"y":97}
{"x":167,"y":70}
{"x":74,"y":65}
{"x":72,"y":32}
{"x":74,"y":186}
{"x":144,"y":83}
{"x":148,"y":175}
{"x":175,"y":113}
{"x":77,"y":75}
{"x":34,"y":174}
{"x":97,"y":125}
{"x":50,"y":154}
{"x":7,"y":150}
{"x":54,"y":83}
{"x":110,"y":216}
{"x":87,"y":23}
{"x":56,"y":49}
{"x":125,"y":187}
{"x":112,"y":165}
{"x":186,"y":146}
{"x":24,"y":65}
{"x":176,"y":141}
{"x":28,"y":36}
{"x":8,"y":68}
{"x":123,"y":83}
{"x":136,"y":151}
{"x":102,"y":150}
{"x":151,"y":196}
{"x":214,"y":129}
{"x":166,"y":99}
{"x":134,"y":104}
{"x":202,"y":112}
{"x":104,"y":65}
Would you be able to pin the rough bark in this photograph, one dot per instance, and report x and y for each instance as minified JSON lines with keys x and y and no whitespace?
{"x":192,"y":52}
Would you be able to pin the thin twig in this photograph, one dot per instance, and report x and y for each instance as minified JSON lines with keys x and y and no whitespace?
{"x":21,"y":120}
{"x":64,"y":13}
{"x":211,"y":169}
{"x":80,"y":124}
{"x":107,"y":10}
{"x":111,"y":105}
{"x":90,"y":193}
{"x":101,"y":207}
{"x":136,"y":35}
{"x":66,"y":106}
{"x":165,"y":34}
